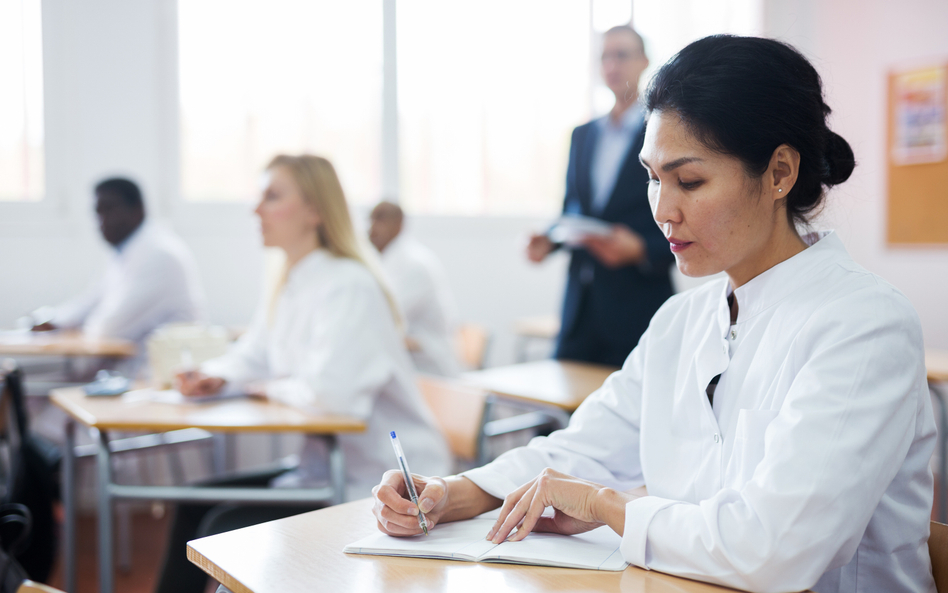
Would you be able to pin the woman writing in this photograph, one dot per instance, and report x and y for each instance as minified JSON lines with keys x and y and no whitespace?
{"x":327,"y":343}
{"x":772,"y":430}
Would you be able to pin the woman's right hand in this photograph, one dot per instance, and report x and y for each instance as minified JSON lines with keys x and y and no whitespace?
{"x":196,"y":383}
{"x":397,"y":514}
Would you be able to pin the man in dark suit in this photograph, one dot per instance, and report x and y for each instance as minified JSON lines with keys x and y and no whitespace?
{"x":616,"y":282}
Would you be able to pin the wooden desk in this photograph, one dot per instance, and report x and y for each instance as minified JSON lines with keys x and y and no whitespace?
{"x":107,"y":413}
{"x":304,"y":553}
{"x":545,"y":328}
{"x":561,"y":383}
{"x":936,"y":364}
{"x":527,"y":329}
{"x":235,"y":415}
{"x":62,"y":343}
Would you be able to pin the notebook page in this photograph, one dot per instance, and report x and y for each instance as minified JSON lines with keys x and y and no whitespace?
{"x":597,"y":549}
{"x":461,"y":540}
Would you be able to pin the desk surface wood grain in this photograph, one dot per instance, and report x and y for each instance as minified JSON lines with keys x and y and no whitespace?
{"x":235,"y":415}
{"x":65,"y":343}
{"x":561,"y":383}
{"x":304,"y":553}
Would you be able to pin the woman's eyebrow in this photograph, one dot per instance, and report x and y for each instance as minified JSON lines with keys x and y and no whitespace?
{"x":673,"y":164}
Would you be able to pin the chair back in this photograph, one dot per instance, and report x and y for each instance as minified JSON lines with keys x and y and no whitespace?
{"x":31,"y":587}
{"x":938,"y":550}
{"x":458,"y":409}
{"x":472,"y":341}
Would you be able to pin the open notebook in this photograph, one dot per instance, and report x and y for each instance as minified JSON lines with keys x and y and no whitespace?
{"x":465,"y":540}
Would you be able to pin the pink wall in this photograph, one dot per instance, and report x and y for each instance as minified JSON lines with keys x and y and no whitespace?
{"x":853,"y":44}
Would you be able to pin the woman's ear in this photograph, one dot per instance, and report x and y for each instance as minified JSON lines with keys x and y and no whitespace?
{"x":783,"y":171}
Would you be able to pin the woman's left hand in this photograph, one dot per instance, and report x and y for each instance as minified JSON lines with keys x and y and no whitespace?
{"x":579,"y":506}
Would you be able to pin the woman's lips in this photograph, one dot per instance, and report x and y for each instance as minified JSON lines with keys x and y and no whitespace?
{"x":677,"y":245}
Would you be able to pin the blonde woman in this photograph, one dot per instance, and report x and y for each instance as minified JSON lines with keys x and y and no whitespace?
{"x":328,"y":341}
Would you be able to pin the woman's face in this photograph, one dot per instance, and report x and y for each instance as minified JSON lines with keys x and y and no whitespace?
{"x":714,"y":216}
{"x":286,"y":219}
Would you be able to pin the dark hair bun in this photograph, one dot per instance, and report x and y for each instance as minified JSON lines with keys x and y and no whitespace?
{"x":717,"y":87}
{"x":840,"y":160}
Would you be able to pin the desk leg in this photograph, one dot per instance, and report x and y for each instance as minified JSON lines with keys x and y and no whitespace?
{"x":337,"y":470}
{"x":105,"y":513}
{"x":69,"y":504}
{"x":482,"y":454}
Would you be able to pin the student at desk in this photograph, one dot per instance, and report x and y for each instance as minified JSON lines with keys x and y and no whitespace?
{"x":151,"y":278}
{"x":328,"y":342}
{"x":771,"y":431}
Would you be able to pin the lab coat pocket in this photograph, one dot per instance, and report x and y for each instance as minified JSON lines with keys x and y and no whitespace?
{"x":748,"y":449}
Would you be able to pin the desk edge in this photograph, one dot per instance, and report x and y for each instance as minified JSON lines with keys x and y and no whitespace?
{"x":215,"y":572}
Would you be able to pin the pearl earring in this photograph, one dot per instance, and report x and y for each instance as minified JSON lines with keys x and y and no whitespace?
{"x":780,"y":190}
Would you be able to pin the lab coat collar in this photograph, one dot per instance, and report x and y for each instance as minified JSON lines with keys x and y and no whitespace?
{"x":133,"y":238}
{"x":784,"y":279}
{"x":394,"y":246}
{"x":310,"y":263}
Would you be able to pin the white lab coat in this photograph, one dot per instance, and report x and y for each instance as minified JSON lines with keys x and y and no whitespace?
{"x":150,"y":280}
{"x":812,"y":468}
{"x":419,"y":285}
{"x":331,"y":345}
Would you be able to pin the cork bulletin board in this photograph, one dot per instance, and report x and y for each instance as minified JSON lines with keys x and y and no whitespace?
{"x":918,"y":156}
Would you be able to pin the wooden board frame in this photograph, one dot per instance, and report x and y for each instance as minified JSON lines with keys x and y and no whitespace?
{"x":917,"y":206}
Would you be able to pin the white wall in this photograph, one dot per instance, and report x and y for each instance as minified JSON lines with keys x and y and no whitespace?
{"x":111,"y":97}
{"x":854,"y":44}
{"x":111,"y":107}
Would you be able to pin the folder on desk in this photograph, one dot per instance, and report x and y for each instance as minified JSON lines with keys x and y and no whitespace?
{"x":465,"y":541}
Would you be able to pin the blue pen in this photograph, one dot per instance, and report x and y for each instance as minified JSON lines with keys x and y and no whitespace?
{"x":409,"y":483}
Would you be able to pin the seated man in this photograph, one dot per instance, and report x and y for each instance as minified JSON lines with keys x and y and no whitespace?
{"x":417,"y":281}
{"x":151,"y":278}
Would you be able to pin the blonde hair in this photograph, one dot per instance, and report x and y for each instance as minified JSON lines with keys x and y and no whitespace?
{"x":320,"y":188}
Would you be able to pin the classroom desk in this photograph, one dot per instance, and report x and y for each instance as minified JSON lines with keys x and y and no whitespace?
{"x":62,"y":343}
{"x":526,"y":329}
{"x":561,"y":383}
{"x":550,"y":390}
{"x":304,"y":553}
{"x":102,"y":414}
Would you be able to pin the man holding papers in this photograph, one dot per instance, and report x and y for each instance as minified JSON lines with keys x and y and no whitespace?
{"x":619,"y":271}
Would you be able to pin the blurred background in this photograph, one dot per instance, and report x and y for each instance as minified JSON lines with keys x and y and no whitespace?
{"x":461,"y":110}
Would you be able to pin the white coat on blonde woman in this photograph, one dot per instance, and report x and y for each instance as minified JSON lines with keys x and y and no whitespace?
{"x":330,"y":345}
{"x":329,"y":341}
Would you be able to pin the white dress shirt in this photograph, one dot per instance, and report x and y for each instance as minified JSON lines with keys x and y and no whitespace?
{"x":611,"y":151}
{"x":330,"y":345}
{"x":812,"y":468}
{"x":421,"y":289}
{"x":151,"y":279}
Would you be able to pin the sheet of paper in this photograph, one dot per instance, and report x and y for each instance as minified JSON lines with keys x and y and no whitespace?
{"x":597,"y":549}
{"x":461,"y":540}
{"x":572,"y":229}
{"x":172,"y":396}
{"x":464,"y":540}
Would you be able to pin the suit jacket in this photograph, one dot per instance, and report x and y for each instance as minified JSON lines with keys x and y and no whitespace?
{"x":616,"y":304}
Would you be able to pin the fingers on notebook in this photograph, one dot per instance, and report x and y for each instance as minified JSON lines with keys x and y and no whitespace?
{"x":512,"y":512}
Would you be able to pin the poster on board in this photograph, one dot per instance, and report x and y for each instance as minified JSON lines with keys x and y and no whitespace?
{"x":920,"y":130}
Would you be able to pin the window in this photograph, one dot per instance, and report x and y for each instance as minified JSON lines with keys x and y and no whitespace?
{"x":488,"y":91}
{"x":488,"y":94}
{"x":21,"y":101}
{"x":260,"y":77}
{"x":669,"y":25}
